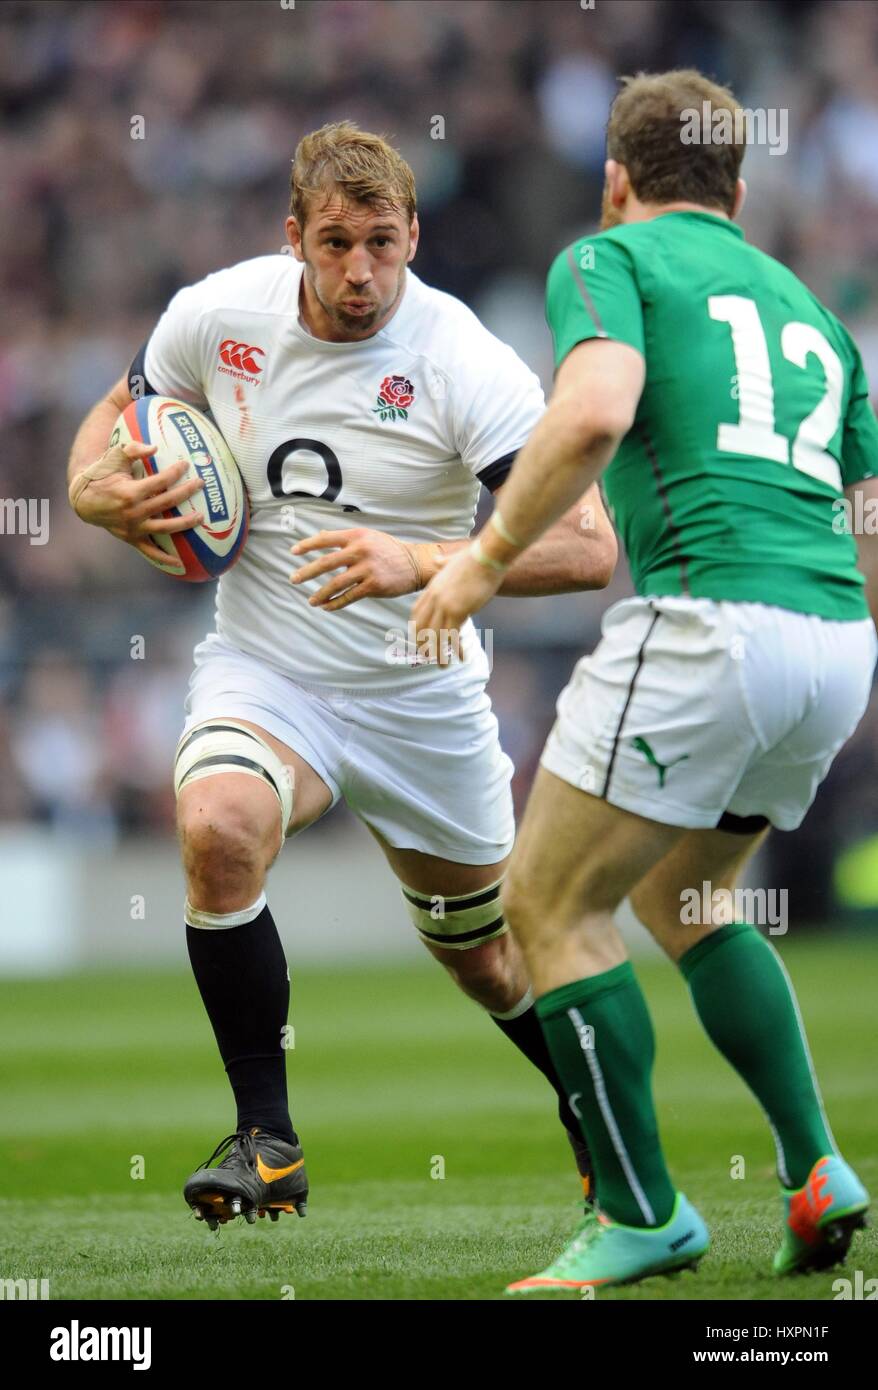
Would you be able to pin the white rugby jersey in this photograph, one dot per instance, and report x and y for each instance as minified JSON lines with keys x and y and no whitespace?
{"x":396,"y":432}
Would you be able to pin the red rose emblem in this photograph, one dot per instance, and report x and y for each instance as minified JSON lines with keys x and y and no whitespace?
{"x":396,"y":390}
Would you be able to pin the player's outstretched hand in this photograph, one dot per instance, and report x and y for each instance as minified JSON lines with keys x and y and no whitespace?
{"x":373,"y":565}
{"x":132,"y":509}
{"x":461,"y":588}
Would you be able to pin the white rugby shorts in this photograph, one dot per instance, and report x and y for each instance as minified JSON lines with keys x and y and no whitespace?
{"x":424,"y":768}
{"x":692,"y":708}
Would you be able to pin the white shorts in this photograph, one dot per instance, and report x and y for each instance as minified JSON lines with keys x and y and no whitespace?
{"x":424,"y":768}
{"x":690,"y":708}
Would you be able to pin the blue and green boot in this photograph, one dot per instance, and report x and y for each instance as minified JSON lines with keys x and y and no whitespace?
{"x":605,"y":1253}
{"x":820,"y":1218}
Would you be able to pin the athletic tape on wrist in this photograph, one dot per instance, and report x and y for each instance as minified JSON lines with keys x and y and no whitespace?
{"x":499,"y":525}
{"x":487,"y":561}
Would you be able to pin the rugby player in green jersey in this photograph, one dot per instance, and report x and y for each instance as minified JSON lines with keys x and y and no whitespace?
{"x":728,"y":413}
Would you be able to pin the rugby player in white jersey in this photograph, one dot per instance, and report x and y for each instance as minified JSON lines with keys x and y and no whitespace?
{"x":365,"y":411}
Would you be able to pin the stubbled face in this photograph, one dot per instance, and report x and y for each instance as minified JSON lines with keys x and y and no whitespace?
{"x":355,"y":258}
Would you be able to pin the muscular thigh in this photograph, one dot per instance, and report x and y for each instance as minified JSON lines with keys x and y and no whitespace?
{"x":238,"y":796}
{"x":577,"y":854}
{"x":715,"y":858}
{"x":456,"y":911}
{"x":311,"y":796}
{"x":430,"y":874}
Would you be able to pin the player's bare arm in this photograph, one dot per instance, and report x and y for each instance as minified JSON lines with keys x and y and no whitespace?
{"x":578,"y":552}
{"x":103,"y":492}
{"x":592,"y":408}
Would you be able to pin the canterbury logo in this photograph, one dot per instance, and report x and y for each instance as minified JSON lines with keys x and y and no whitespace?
{"x":272,"y":1174}
{"x":240,"y":356}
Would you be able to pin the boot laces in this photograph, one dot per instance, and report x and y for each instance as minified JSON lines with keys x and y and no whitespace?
{"x":240,"y":1144}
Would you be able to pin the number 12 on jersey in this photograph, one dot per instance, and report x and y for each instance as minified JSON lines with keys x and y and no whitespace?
{"x":754,"y":434}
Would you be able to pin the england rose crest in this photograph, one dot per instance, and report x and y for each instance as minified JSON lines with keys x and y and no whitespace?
{"x":395,"y":395}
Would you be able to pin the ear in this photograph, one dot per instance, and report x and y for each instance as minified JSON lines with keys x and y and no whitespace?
{"x":414,"y":234}
{"x":618,"y":183}
{"x":740,"y":198}
{"x":294,"y":237}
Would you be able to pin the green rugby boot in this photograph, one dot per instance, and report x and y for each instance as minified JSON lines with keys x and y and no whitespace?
{"x":604,"y":1253}
{"x":820,"y":1218}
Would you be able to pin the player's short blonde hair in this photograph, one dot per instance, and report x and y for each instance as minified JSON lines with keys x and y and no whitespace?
{"x":644,"y":134}
{"x":364,"y":167}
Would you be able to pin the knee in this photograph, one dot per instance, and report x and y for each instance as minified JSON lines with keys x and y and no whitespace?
{"x":491,"y":975}
{"x":656,"y":907}
{"x":539,"y":918}
{"x":226,"y":850}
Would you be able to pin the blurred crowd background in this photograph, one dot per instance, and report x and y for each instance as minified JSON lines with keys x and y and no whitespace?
{"x":98,"y":229}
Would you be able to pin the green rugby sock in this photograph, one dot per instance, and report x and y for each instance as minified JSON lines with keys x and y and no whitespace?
{"x":748,"y":1009}
{"x":600,"y":1036}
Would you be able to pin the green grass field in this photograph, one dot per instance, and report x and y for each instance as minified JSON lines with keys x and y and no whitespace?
{"x":391,"y":1070}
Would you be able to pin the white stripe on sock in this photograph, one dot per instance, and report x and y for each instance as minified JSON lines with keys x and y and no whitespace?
{"x":597,"y":1077}
{"x":807,"y":1050}
{"x":782,"y":1171}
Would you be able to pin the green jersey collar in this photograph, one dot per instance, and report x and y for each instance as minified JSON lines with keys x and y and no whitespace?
{"x":715,"y":218}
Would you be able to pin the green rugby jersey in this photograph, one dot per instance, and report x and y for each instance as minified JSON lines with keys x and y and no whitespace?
{"x":754,"y":416}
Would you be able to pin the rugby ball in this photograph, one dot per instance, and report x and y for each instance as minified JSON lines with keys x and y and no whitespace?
{"x":179,"y":432}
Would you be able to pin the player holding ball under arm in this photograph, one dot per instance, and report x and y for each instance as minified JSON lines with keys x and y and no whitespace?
{"x":718,"y":695}
{"x":365,"y":411}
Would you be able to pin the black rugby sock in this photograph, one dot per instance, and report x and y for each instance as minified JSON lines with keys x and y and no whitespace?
{"x":527,"y":1035}
{"x":241,"y":973}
